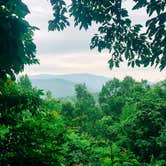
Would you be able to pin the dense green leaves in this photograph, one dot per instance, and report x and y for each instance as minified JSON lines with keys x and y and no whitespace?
{"x":146,"y":127}
{"x":125,"y":127}
{"x":16,"y":44}
{"x":60,"y":21}
{"x":130,"y":121}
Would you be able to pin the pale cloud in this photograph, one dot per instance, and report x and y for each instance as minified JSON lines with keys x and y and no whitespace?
{"x":89,"y":62}
{"x":68,"y":51}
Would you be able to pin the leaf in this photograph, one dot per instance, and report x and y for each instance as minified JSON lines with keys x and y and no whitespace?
{"x":111,"y":63}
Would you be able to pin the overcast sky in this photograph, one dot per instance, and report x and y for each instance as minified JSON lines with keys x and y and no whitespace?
{"x":68,"y":51}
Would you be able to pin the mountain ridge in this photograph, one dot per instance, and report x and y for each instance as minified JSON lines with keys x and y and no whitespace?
{"x":63,"y":85}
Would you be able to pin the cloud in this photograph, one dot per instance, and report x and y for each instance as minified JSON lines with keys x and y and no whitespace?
{"x":71,"y":39}
{"x":68,"y":51}
{"x":89,"y":62}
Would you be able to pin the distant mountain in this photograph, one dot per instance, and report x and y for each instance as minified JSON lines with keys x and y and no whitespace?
{"x":63,"y":85}
{"x":58,"y":87}
{"x":42,"y":76}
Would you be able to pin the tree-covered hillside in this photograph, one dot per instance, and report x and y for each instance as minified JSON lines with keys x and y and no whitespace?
{"x":126,"y":126}
{"x":63,"y":85}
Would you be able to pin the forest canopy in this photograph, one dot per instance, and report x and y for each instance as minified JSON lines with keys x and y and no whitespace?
{"x":124,"y":124}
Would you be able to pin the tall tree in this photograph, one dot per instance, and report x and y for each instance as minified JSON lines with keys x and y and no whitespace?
{"x":145,"y":130}
{"x":111,"y":98}
{"x":115,"y":94}
{"x":86,"y":111}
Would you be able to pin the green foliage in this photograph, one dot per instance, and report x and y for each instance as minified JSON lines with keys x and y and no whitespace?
{"x":147,"y":127}
{"x":115,"y":94}
{"x":15,"y":98}
{"x":60,"y":20}
{"x":34,"y":141}
{"x":86,"y":111}
{"x":68,"y":110}
{"x":111,"y":99}
{"x":24,"y":83}
{"x":16,"y":44}
{"x":136,"y":127}
{"x":36,"y":130}
{"x":79,"y":150}
{"x":116,"y":32}
{"x":127,"y":112}
{"x":29,"y":135}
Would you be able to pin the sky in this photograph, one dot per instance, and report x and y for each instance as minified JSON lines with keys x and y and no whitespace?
{"x":68,"y":51}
